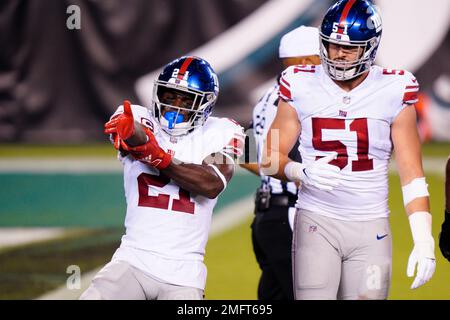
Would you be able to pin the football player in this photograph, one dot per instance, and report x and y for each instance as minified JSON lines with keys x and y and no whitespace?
{"x":348,"y":115}
{"x":444,"y":236}
{"x":177,"y":160}
{"x":275,"y":199}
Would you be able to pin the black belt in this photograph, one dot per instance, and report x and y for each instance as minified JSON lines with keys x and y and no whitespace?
{"x":265,"y":199}
{"x":282,"y":200}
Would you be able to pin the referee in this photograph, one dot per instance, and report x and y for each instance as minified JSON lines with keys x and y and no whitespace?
{"x":275,"y":199}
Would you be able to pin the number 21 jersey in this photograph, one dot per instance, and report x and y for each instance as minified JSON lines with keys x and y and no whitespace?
{"x":167,"y":226}
{"x":161,"y":216}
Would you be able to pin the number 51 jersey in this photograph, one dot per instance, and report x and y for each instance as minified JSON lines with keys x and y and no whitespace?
{"x":355,"y":124}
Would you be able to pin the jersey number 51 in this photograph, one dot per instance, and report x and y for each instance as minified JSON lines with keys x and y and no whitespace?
{"x":362,"y":135}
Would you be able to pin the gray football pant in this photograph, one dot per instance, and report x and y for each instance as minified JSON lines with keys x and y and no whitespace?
{"x":118,"y":280}
{"x":336,"y":259}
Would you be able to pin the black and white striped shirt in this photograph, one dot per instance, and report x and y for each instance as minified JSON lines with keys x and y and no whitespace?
{"x":263,"y":115}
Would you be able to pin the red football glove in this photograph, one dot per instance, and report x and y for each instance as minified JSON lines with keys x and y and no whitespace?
{"x":122,"y":124}
{"x":150,"y":152}
{"x":121,"y":127}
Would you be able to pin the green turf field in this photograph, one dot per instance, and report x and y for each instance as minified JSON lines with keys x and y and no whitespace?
{"x":439,"y":286}
{"x":75,"y":200}
{"x":29,"y":271}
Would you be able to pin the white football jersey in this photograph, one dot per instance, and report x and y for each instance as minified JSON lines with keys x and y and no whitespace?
{"x":165,"y":223}
{"x":357,"y":125}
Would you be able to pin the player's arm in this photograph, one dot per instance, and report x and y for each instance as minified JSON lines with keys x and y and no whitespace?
{"x":208,"y":179}
{"x":281,"y":138}
{"x":408,"y":157}
{"x":138,"y":137}
{"x":444,"y":236}
{"x":212,"y":176}
{"x":407,"y":150}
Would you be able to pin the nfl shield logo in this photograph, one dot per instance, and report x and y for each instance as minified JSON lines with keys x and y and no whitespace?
{"x":312,"y":229}
{"x":342,"y":113}
{"x":346,"y":99}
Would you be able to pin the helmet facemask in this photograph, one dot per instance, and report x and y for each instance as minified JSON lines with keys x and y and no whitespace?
{"x":347,"y":70}
{"x":188,"y":115}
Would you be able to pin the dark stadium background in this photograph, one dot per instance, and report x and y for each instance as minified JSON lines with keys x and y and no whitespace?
{"x":61,"y":193}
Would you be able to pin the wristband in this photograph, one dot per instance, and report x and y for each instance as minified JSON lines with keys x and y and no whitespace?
{"x":220,"y":175}
{"x":417,"y":188}
{"x":293,"y":170}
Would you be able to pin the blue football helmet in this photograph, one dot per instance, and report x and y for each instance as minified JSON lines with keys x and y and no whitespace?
{"x":353,"y":23}
{"x":192,"y":80}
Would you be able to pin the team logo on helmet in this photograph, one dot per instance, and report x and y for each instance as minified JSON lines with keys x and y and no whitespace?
{"x":374,"y":21}
{"x":350,"y":23}
{"x":192,"y":81}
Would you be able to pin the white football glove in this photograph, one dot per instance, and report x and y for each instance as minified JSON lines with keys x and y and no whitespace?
{"x":319,"y":174}
{"x":423,"y":251}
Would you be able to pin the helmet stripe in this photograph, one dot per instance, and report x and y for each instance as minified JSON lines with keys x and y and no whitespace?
{"x":344,"y":15}
{"x":184,"y":67}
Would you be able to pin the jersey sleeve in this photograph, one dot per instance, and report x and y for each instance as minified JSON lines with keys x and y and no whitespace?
{"x":408,"y":93}
{"x":285,"y":92}
{"x":235,"y":146}
{"x":411,"y":90}
{"x":224,"y":136}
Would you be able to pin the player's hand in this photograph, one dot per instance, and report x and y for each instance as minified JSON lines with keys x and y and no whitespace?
{"x":111,"y":129}
{"x":321,"y":174}
{"x":150,"y":152}
{"x":444,"y":237}
{"x":123,"y":124}
{"x":422,"y":256}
